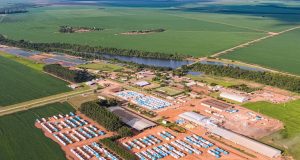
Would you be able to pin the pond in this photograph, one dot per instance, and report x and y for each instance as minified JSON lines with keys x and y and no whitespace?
{"x":232,"y":65}
{"x":150,"y":61}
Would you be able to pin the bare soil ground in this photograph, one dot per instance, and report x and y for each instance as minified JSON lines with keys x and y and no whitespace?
{"x":242,"y":122}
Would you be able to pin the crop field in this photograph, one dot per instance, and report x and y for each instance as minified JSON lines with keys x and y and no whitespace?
{"x":20,"y":139}
{"x":200,"y":29}
{"x":289,"y":114}
{"x":29,"y":63}
{"x":185,"y":34}
{"x":20,"y":83}
{"x":281,"y":52}
{"x":102,"y":66}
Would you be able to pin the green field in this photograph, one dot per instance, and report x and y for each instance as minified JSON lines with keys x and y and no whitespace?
{"x":20,"y":83}
{"x":281,"y":52}
{"x":20,"y":139}
{"x":102,"y":66}
{"x":29,"y":63}
{"x":289,"y":114}
{"x":185,"y":33}
{"x":169,"y":91}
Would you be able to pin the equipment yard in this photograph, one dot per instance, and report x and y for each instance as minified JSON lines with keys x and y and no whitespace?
{"x":194,"y":144}
{"x":171,"y":145}
{"x":76,"y":134}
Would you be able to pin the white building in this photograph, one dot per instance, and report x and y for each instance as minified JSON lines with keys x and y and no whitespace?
{"x":231,"y":136}
{"x":142,"y":83}
{"x":234,"y":97}
{"x":192,"y":83}
{"x":74,"y":86}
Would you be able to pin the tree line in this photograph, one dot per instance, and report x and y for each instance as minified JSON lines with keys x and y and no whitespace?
{"x":116,"y":148}
{"x":12,"y":10}
{"x":148,"y":31}
{"x":244,"y":88}
{"x":76,"y":76}
{"x":70,"y":29}
{"x":86,"y":50}
{"x":104,"y":117}
{"x":291,"y":83}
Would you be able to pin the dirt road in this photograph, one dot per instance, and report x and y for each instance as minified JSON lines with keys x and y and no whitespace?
{"x":270,"y":35}
{"x":42,"y":101}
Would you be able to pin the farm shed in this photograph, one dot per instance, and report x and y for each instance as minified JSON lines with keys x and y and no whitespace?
{"x":135,"y":121}
{"x":234,"y":97}
{"x":216,"y":105}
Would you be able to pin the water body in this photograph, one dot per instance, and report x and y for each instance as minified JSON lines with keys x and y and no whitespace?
{"x":193,"y":73}
{"x":56,"y":58}
{"x":133,"y":3}
{"x":150,"y":61}
{"x":232,"y":65}
{"x":19,"y":52}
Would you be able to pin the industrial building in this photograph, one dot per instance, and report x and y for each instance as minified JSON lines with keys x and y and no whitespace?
{"x":246,"y":142}
{"x":142,"y":83}
{"x":234,"y":97}
{"x":135,"y":121}
{"x":231,"y":136}
{"x":197,"y":118}
{"x":216,"y":105}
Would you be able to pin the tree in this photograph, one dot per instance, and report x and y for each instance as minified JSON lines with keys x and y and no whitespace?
{"x":125,"y":131}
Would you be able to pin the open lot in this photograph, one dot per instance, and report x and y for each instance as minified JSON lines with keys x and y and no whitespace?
{"x":243,"y":121}
{"x":20,"y":83}
{"x":289,"y":114}
{"x":280,"y":52}
{"x":169,"y":91}
{"x":20,"y":139}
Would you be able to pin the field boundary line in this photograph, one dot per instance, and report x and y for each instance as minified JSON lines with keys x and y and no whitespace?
{"x":232,"y":25}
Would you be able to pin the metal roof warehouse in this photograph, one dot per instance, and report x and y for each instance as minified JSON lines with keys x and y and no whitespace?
{"x":217,"y":105}
{"x":135,"y":121}
{"x":234,"y":97}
